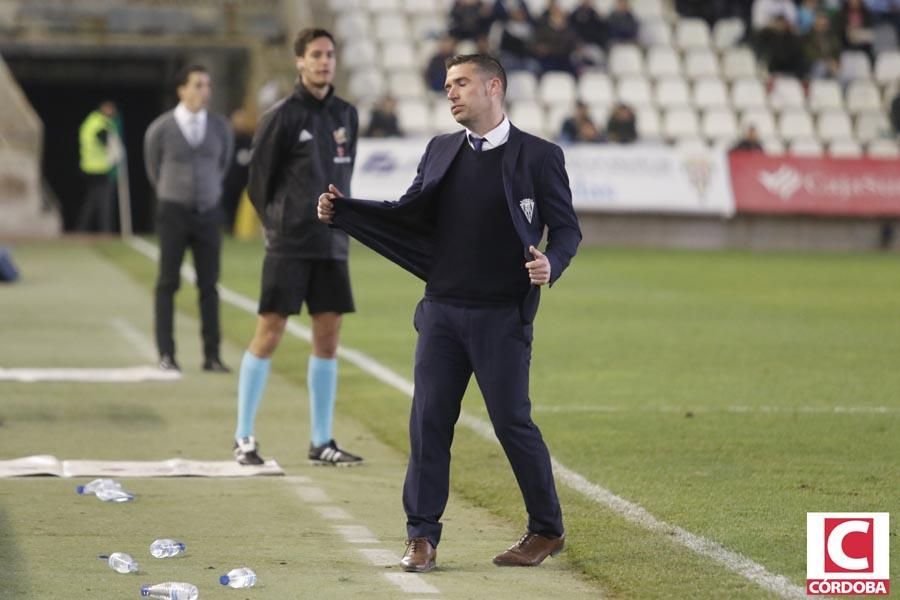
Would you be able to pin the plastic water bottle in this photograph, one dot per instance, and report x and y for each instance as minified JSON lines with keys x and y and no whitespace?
{"x":239,"y":578}
{"x":171,"y":590}
{"x":93,"y":486}
{"x":121,"y":562}
{"x":164,"y":548}
{"x":111,"y":494}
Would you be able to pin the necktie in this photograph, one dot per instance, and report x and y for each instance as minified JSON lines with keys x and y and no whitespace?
{"x":195,"y":130}
{"x":477,"y":142}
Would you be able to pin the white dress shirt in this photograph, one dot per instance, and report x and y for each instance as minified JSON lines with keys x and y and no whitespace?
{"x":192,"y":125}
{"x":494,"y":138}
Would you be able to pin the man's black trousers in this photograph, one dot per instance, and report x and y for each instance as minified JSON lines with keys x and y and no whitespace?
{"x":493,"y":343}
{"x":180,"y":228}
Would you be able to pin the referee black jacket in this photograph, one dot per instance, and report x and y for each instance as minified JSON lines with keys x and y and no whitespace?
{"x":301,"y":145}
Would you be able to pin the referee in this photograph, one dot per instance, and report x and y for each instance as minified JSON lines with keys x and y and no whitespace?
{"x":304,"y":142}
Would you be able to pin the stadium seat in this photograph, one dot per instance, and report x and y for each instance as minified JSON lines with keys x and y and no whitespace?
{"x":406,"y":84}
{"x":863,"y":96}
{"x":352,"y":26}
{"x":555,"y":116}
{"x":663,"y":62}
{"x":634,"y":91}
{"x":762,"y":119}
{"x":871,"y":126}
{"x":399,"y":54}
{"x":390,"y":27}
{"x":427,"y":7}
{"x":672,"y":93}
{"x":882,"y":149}
{"x":690,"y":145}
{"x":845,"y":148}
{"x":786,"y":93}
{"x":691,"y":33}
{"x":772,"y":146}
{"x":529,"y":116}
{"x":887,"y":67}
{"x":625,"y":60}
{"x":710,"y":93}
{"x":854,"y":65}
{"x":727,"y":33}
{"x":367,"y":84}
{"x":825,"y":94}
{"x":521,"y":85}
{"x":680,"y":123}
{"x":834,"y":125}
{"x":600,"y":114}
{"x":595,"y":88}
{"x":719,"y":125}
{"x":414,"y":117}
{"x":807,"y":147}
{"x":425,"y":27}
{"x":655,"y":32}
{"x":341,"y":6}
{"x":382,"y":6}
{"x":441,"y":119}
{"x":795,"y":124}
{"x":738,"y":63}
{"x":557,"y":87}
{"x":647,"y":9}
{"x":748,"y":94}
{"x":700,"y":63}
{"x":359,"y":52}
{"x":649,"y":126}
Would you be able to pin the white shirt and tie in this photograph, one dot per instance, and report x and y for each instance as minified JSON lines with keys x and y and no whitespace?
{"x":494,"y":138}
{"x":192,"y":125}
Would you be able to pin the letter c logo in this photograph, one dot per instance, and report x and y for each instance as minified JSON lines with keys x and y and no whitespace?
{"x":836,"y":545}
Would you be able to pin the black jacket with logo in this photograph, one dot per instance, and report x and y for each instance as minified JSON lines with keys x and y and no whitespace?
{"x":302,"y":144}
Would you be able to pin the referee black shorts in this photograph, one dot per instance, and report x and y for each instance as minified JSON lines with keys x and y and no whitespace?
{"x":289,"y":282}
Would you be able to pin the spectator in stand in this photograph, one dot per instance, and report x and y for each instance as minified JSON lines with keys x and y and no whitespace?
{"x":383,"y":122}
{"x":885,"y":11}
{"x":748,"y":143}
{"x":854,"y":24}
{"x":469,"y":19}
{"x":781,"y":50}
{"x":516,"y":43}
{"x":806,"y":16}
{"x":554,"y":41}
{"x":621,"y":24}
{"x":587,"y":24}
{"x":895,"y":113}
{"x":622,"y":126}
{"x":823,"y":49}
{"x":766,"y":11}
{"x":580,"y":127}
{"x":436,"y":72}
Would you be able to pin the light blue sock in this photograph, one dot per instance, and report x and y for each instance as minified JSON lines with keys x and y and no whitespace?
{"x":251,"y":385}
{"x":321,"y":379}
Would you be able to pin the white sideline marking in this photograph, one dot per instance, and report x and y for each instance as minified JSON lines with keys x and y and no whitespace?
{"x":733,"y":561}
{"x":123,"y":375}
{"x":333,"y":513}
{"x":357,"y":534}
{"x":740,"y":409}
{"x":311,"y":495}
{"x":134,"y":336}
{"x":380,"y":558}
{"x":411,"y":583}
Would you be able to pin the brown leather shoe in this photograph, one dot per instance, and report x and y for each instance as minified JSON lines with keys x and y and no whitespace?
{"x":530,"y":550}
{"x":420,"y":556}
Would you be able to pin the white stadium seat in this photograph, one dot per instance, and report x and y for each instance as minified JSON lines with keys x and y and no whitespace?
{"x":863,"y":96}
{"x":634,"y":91}
{"x":412,"y":7}
{"x":441,"y":119}
{"x":887,"y":67}
{"x":391,"y":27}
{"x":834,"y":125}
{"x":352,"y":26}
{"x":655,"y":32}
{"x":414,"y":117}
{"x":710,"y":93}
{"x":883,"y":149}
{"x":787,"y":93}
{"x":557,"y":87}
{"x":595,"y":88}
{"x":398,"y":54}
{"x":428,"y":26}
{"x":672,"y":93}
{"x":871,"y":126}
{"x":855,"y":65}
{"x":382,"y":6}
{"x":807,"y":147}
{"x":727,"y":33}
{"x":625,"y":60}
{"x":701,"y":62}
{"x":795,"y":124}
{"x":719,"y":125}
{"x":825,"y":94}
{"x":762,"y":119}
{"x":521,"y":85}
{"x":649,"y":126}
{"x":555,"y":116}
{"x":772,"y":146}
{"x":406,"y":84}
{"x":529,"y":116}
{"x":738,"y":63}
{"x":360,"y":52}
{"x":680,"y":123}
{"x":691,"y":33}
{"x":690,"y":145}
{"x":845,"y":148}
{"x":663,"y":62}
{"x":748,"y":94}
{"x":367,"y":84}
{"x":647,"y":9}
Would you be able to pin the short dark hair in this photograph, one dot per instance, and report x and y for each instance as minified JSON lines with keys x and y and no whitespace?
{"x":305,"y":36}
{"x":184,"y":73}
{"x":485,"y":62}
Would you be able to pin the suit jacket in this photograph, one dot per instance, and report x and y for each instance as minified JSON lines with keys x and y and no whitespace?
{"x":537,"y":194}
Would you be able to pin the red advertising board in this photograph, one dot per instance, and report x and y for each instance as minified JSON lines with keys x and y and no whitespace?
{"x":815,"y":186}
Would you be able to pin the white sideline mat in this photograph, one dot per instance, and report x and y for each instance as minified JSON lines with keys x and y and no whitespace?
{"x":123,"y":375}
{"x":45,"y":464}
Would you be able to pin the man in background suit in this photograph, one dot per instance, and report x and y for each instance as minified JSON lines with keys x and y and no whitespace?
{"x":469,"y":225}
{"x":186,"y":154}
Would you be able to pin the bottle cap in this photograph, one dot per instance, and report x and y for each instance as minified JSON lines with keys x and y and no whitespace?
{"x":224,"y":579}
{"x":79,"y":489}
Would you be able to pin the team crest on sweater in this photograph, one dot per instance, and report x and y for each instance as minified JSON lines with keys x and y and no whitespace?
{"x":527,"y":206}
{"x":340,"y":138}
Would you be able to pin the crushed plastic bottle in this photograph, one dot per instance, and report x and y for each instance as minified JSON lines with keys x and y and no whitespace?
{"x":239,"y":578}
{"x":110,"y":494}
{"x":93,"y":486}
{"x":121,"y":562}
{"x":171,"y":590}
{"x":164,"y":548}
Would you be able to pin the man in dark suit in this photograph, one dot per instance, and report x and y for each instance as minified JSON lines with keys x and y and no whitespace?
{"x":469,"y":225}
